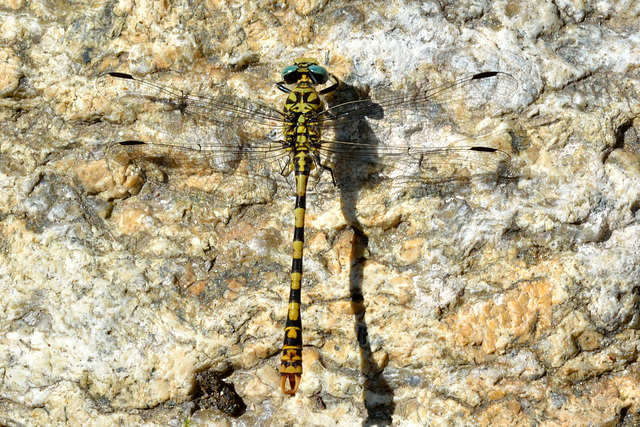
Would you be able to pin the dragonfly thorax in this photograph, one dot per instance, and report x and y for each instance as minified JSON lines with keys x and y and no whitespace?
{"x":303,"y":98}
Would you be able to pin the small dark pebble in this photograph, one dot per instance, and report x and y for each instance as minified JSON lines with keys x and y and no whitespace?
{"x":218,"y":394}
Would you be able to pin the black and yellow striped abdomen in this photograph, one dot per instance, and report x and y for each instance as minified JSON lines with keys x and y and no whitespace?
{"x":301,"y":132}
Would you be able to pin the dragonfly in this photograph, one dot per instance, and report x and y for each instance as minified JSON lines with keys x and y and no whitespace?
{"x":310,"y":143}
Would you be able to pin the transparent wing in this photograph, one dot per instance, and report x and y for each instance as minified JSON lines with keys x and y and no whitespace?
{"x":225,"y":145}
{"x":136,"y":95}
{"x":423,"y":137}
{"x":212,"y":143}
{"x":469,"y":98}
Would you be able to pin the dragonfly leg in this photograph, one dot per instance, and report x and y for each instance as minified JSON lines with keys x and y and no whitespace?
{"x":332,"y":87}
{"x":282,"y":87}
{"x":330,"y":169}
{"x":326,"y":167}
{"x":286,"y":167}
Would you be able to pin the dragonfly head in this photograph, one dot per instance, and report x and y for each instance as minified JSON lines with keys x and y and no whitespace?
{"x":305,"y":68}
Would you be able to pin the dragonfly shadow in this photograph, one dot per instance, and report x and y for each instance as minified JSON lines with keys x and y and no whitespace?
{"x":351,"y":174}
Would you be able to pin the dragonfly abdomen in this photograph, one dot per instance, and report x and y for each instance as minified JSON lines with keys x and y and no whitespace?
{"x":291,"y":362}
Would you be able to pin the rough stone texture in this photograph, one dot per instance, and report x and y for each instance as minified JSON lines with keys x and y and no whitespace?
{"x":511,"y":305}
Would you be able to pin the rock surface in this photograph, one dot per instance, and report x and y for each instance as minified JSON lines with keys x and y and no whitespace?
{"x":516,"y":303}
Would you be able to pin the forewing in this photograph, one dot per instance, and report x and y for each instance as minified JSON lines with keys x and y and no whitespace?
{"x":464,"y":101}
{"x":220,"y":145}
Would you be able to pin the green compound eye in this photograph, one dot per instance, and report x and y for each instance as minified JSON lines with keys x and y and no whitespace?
{"x":290,"y":74}
{"x":319,"y":74}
